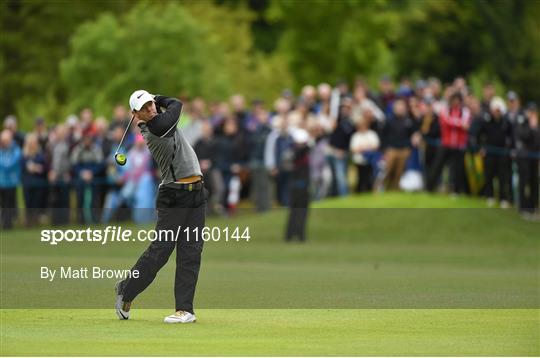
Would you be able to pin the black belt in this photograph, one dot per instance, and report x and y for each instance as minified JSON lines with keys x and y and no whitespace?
{"x":198,"y":185}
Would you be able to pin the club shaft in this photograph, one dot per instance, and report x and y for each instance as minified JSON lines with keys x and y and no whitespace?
{"x":124,"y":136}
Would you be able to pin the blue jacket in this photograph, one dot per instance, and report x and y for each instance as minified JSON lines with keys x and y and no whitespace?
{"x":10,"y":166}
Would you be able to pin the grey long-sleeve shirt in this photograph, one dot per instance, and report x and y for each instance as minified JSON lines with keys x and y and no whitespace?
{"x":60,"y":159}
{"x":176,"y":159}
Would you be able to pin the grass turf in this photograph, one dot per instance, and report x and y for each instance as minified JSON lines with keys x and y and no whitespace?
{"x":274,"y":332}
{"x":388,"y":258}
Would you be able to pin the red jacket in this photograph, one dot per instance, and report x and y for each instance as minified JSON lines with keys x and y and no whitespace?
{"x":455,"y":124}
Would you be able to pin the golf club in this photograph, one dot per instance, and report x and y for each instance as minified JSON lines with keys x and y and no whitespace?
{"x":121,"y":158}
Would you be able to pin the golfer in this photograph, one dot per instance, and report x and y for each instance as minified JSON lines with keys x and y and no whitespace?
{"x":181,"y":202}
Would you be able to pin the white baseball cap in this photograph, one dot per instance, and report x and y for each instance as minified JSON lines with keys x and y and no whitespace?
{"x":299,"y":135}
{"x":139,"y":98}
{"x":497,"y":103}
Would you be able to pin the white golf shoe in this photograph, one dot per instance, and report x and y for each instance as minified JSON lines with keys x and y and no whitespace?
{"x":181,"y":317}
{"x":122,"y":308}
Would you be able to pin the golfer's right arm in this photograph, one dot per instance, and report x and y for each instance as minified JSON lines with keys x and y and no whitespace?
{"x":163,"y":124}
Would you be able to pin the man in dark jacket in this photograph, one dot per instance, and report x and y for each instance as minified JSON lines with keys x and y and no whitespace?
{"x":494,"y":137}
{"x":431,"y":134}
{"x":528,"y":155}
{"x":231,"y":154}
{"x":260,"y":177}
{"x":396,"y":139}
{"x":514,"y":115}
{"x":299,"y":187}
{"x":339,"y":141}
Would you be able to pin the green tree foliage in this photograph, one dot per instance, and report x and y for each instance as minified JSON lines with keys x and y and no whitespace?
{"x":216,"y":47}
{"x":495,"y":40}
{"x":33,"y":39}
{"x":324,"y":40}
{"x":252,"y":72}
{"x":157,"y":46}
{"x":498,"y":39}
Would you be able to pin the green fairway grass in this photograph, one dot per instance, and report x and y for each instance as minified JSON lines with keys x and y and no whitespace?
{"x":374,"y":281}
{"x":402,"y":200}
{"x":273,"y":332}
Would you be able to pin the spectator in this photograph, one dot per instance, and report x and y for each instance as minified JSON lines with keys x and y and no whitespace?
{"x":405,"y":88}
{"x":74,"y":131}
{"x":10,"y":123}
{"x":10,"y":177}
{"x":40,"y":130}
{"x":434,"y":88}
{"x":259,"y":174}
{"x":252,"y":121}
{"x":431,"y":132}
{"x":386,"y":95}
{"x":396,"y":135}
{"x":278,"y":156}
{"x":232,"y":155}
{"x":454,"y":121}
{"x":363,"y":143}
{"x":102,"y":141}
{"x":361,"y":101}
{"x":299,"y":186}
{"x":324,"y":92}
{"x":34,"y":178}
{"x":360,"y":81}
{"x":59,"y":176}
{"x":434,"y":91}
{"x":238,"y":104}
{"x":139,"y":188}
{"x":120,"y":118}
{"x":321,"y":175}
{"x":101,"y":136}
{"x":301,"y":116}
{"x":414,"y":108}
{"x":218,"y":112}
{"x":488,"y":92}
{"x":193,"y":130}
{"x":309,"y":94}
{"x":339,"y":147}
{"x":282,"y":108}
{"x":421,"y":89}
{"x":86,"y":118}
{"x":474,"y":162}
{"x":115,"y":180}
{"x":495,"y":139}
{"x":477,"y":118}
{"x":287,"y":95}
{"x":513,"y":115}
{"x":340,"y":92}
{"x":87,"y":160}
{"x":528,"y":150}
{"x":412,"y":179}
{"x":206,"y":151}
{"x":460,"y":86}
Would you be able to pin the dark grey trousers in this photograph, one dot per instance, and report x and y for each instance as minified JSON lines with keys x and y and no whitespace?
{"x":175,"y":208}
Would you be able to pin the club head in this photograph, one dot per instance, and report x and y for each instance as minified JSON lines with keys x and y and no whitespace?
{"x":120,"y":158}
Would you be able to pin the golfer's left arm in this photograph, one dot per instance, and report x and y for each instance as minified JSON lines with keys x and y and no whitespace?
{"x":164,"y":123}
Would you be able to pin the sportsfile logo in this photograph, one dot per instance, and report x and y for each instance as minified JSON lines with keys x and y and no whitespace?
{"x":119,"y":234}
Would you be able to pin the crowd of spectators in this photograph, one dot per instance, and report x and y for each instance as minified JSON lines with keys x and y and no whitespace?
{"x":327,"y":141}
